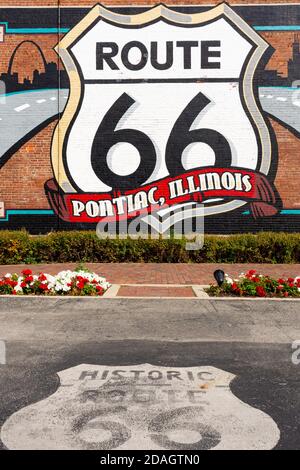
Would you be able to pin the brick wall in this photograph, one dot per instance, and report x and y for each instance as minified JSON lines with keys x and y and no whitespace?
{"x":24,"y":174}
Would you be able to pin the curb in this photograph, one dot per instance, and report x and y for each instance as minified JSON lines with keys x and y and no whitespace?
{"x":112,"y":294}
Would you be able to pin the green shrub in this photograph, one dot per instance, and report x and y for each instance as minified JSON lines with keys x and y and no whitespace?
{"x":19,"y":247}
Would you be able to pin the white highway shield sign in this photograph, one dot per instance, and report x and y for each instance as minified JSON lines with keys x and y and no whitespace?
{"x":141,"y":407}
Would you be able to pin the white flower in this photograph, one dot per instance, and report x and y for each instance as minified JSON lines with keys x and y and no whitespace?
{"x":60,"y":282}
{"x":50,"y":278}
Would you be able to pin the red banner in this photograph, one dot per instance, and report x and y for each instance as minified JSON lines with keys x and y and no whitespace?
{"x":196,"y":185}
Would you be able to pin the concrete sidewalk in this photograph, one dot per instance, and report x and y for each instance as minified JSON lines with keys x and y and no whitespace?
{"x":161,"y":273}
{"x":46,"y":338}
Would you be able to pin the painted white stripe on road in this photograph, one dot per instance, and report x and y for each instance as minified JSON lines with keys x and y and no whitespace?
{"x":280,"y":98}
{"x":21,"y":108}
{"x":53,"y":98}
{"x":270,"y":96}
{"x":40,"y":101}
{"x":297,"y":103}
{"x":261,"y":96}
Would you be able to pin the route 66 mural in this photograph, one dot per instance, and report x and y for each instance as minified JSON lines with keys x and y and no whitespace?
{"x":148,"y":121}
{"x":160,"y":110}
{"x":141,"y":407}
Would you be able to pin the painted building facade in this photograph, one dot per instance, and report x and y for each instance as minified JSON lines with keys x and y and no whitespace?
{"x":110,"y":113}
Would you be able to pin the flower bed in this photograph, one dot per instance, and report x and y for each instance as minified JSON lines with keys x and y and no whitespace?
{"x":81,"y":282}
{"x":253,"y":284}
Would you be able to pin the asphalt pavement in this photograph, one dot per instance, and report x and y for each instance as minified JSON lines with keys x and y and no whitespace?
{"x":149,"y":374}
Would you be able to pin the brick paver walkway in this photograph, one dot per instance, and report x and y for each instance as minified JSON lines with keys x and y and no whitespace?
{"x":144,"y":273}
{"x":156,"y":291}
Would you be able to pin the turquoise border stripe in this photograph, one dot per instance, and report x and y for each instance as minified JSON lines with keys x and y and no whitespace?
{"x":37,"y":30}
{"x":277,"y":28}
{"x":26,"y":212}
{"x":290,"y":211}
{"x":10,"y":212}
{"x":37,"y":90}
{"x":29,"y":91}
{"x":9,"y":30}
{"x":283,"y":212}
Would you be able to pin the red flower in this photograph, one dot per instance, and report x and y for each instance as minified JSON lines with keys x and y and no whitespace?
{"x":23,"y":284}
{"x":281,"y":281}
{"x":80,"y":285}
{"x":11,"y":283}
{"x":256,"y":279}
{"x":42,"y":277}
{"x":251,"y":272}
{"x":234,"y":286}
{"x":28,"y":279}
{"x":286,"y":294}
{"x":260,"y":291}
{"x":27,"y":272}
{"x":83,"y":280}
{"x":99,"y":290}
{"x":291,"y":280}
{"x":43,"y":287}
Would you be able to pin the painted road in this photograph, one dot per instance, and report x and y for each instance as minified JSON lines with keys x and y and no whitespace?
{"x":22,"y":113}
{"x":282,"y":103}
{"x":155,"y":374}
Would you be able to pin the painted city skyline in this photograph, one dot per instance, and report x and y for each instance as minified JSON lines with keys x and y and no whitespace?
{"x":54,"y":77}
{"x":51,"y":77}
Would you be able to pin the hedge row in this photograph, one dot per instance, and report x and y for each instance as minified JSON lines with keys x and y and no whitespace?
{"x":20,"y":247}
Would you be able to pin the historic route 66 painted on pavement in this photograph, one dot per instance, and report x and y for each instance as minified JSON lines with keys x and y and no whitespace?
{"x":141,"y":407}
